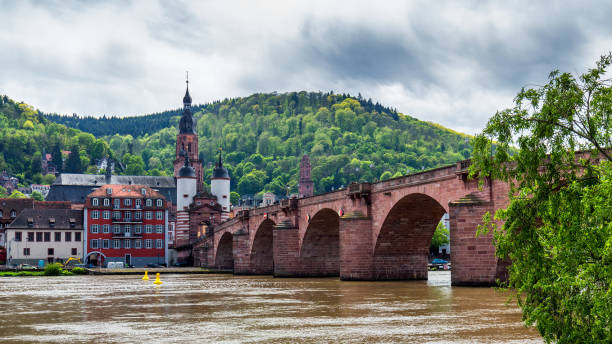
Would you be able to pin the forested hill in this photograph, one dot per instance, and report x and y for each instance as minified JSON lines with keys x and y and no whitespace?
{"x":148,"y":124}
{"x":263,"y":137}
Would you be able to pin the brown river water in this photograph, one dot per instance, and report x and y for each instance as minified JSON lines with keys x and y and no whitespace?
{"x":241,"y":309}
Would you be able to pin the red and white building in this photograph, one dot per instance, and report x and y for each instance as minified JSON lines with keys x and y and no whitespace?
{"x":126,"y":223}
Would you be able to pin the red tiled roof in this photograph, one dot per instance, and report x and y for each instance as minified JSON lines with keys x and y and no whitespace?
{"x":126,"y":191}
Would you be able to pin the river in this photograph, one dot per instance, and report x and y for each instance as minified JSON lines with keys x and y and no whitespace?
{"x":248,"y":309}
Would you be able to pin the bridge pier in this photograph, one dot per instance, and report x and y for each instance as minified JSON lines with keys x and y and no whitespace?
{"x":242,"y":261}
{"x":473,"y":258}
{"x":286,"y":250}
{"x":356,"y":250}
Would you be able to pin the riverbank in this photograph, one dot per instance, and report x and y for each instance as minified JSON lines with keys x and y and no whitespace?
{"x":126,"y":271}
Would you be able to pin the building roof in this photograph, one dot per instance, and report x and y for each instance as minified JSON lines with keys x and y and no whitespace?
{"x":75,"y":187}
{"x":42,"y":218}
{"x":100,"y":179}
{"x":18,"y":204}
{"x":125,"y":191}
{"x":187,"y":171}
{"x":220,"y":172}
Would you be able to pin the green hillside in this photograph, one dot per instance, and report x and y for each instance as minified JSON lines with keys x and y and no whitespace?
{"x":25,"y":134}
{"x":264,"y":136}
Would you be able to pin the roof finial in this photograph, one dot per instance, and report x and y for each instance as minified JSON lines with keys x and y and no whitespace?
{"x":220,"y":164}
{"x":187,"y":78}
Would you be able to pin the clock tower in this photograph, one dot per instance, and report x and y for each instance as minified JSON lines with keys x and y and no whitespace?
{"x":187,"y":142}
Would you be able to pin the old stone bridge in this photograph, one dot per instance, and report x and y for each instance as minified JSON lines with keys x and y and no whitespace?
{"x":377,"y":231}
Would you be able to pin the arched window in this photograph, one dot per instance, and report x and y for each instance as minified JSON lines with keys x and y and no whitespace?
{"x":106,"y":202}
{"x":160,"y":203}
{"x":94,"y":202}
{"x":13,"y":213}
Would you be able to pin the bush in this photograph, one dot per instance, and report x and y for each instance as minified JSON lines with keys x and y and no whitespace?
{"x":53,"y":269}
{"x":79,"y":271}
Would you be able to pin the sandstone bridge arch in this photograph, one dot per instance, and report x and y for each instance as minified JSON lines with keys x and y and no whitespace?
{"x":377,"y":231}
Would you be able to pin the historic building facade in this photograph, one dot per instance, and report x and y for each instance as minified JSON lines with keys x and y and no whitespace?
{"x":45,"y":234}
{"x":126,"y":223}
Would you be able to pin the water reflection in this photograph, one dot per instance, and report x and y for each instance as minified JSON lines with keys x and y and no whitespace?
{"x":230,"y":309}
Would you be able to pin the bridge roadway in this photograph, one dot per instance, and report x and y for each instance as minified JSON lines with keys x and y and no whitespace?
{"x":377,"y":231}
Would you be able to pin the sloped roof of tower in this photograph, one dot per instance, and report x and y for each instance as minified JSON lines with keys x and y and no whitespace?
{"x":187,"y":97}
{"x":187,"y":171}
{"x":220,"y":172}
{"x":188,"y":123}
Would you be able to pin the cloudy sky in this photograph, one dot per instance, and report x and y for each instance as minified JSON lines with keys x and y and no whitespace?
{"x":451,"y":62}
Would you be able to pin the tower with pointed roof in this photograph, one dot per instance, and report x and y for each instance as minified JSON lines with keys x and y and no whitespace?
{"x":187,"y":141}
{"x":220,"y":184}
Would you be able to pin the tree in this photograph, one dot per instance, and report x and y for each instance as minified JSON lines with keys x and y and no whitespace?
{"x":37,"y":196}
{"x":73,"y":163}
{"x":3,"y":192}
{"x":56,"y":157}
{"x":440,"y":236}
{"x":234,"y":197}
{"x":48,"y":179}
{"x":557,"y":229}
{"x":16,"y":194}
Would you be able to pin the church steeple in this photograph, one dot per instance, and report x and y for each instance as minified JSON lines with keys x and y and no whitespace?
{"x":188,"y":123}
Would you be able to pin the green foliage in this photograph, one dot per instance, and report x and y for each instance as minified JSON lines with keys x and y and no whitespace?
{"x":79,"y":271}
{"x":16,"y":194}
{"x":557,"y":229}
{"x":3,"y":192}
{"x":73,"y":163}
{"x":54,"y":269}
{"x":440,"y":236}
{"x":48,"y":179}
{"x":234,"y":197}
{"x":37,"y":196}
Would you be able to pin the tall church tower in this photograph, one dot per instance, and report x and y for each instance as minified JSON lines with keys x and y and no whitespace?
{"x":306,"y":185}
{"x":187,"y":141}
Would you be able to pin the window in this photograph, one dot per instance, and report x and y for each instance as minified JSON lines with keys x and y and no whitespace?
{"x":106,"y":214}
{"x":50,"y":252}
{"x":109,"y":191}
{"x":47,"y":236}
{"x":95,"y":202}
{"x":148,"y":243}
{"x":138,"y":215}
{"x":94,"y":228}
{"x":160,"y":203}
{"x":117,"y":202}
{"x":77,"y":236}
{"x":26,"y":251}
{"x":95,"y":214}
{"x":106,"y":202}
{"x":30,"y":236}
{"x":13,"y":213}
{"x":148,"y":228}
{"x":139,"y":201}
{"x":127,"y":202}
{"x":127,"y":216}
{"x":159,"y":229}
{"x":105,"y":228}
{"x":126,"y":244}
{"x":17,"y":236}
{"x":68,"y":236}
{"x":116,"y":244}
{"x":74,"y":251}
{"x":94,"y":243}
{"x":159,"y":215}
{"x":0,"y":213}
{"x":58,"y":236}
{"x":149,"y":202}
{"x":138,"y":229}
{"x":105,"y":243}
{"x":39,"y":236}
{"x":137,"y":243}
{"x":148,"y":215}
{"x":159,"y":243}
{"x":116,"y":229}
{"x":127,"y":229}
{"x":116,"y":215}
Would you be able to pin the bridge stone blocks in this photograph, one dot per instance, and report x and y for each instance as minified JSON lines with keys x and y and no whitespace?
{"x":379,"y":231}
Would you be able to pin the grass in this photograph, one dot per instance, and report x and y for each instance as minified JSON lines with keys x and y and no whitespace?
{"x":50,"y":270}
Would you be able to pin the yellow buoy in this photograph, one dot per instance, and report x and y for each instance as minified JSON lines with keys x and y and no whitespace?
{"x":146,"y":276}
{"x":157,"y":280}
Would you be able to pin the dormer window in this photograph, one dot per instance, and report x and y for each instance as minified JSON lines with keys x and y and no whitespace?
{"x":72,"y":222}
{"x":30,"y":222}
{"x":13,"y":213}
{"x":95,"y":202}
{"x":106,"y":202}
{"x":160,"y":203}
{"x":143,"y":191}
{"x":109,"y":191}
{"x":149,"y":202}
{"x":51,"y":222}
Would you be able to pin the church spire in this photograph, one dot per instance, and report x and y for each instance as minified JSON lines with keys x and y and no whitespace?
{"x":187,"y":123}
{"x":187,"y":97}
